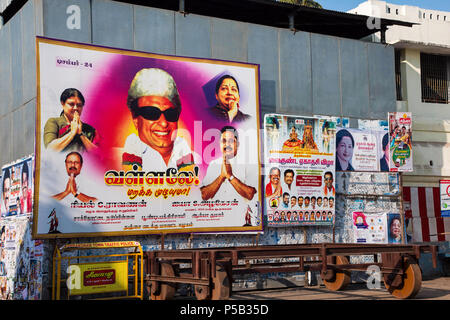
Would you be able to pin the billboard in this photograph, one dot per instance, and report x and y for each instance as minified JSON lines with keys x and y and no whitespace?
{"x":299,"y":170}
{"x":135,"y":143}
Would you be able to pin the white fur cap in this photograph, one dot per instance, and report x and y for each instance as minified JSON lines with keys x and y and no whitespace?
{"x":153,"y":82}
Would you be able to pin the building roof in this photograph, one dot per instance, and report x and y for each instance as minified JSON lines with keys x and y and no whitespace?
{"x":276,"y":14}
{"x":264,"y":12}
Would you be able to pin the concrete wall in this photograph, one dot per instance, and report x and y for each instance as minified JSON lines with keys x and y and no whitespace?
{"x":301,"y":73}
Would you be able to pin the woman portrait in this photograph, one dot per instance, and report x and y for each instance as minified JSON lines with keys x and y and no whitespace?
{"x":395,"y":230}
{"x":344,"y":150}
{"x":67,"y":132}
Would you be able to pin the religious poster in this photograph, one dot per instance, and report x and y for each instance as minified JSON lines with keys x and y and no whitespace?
{"x":17,"y":188}
{"x":400,"y":142}
{"x":299,"y":170}
{"x":135,"y":143}
{"x":444,"y":187}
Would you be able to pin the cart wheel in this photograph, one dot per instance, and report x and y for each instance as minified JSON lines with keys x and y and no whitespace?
{"x":160,"y":290}
{"x":340,"y":279}
{"x":202,"y":292}
{"x":221,"y":284}
{"x":411,"y":280}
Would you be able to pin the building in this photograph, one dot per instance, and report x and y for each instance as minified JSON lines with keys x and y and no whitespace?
{"x":422,"y":68}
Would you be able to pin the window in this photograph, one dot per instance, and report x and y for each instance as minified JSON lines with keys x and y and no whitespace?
{"x":388,"y":10}
{"x":398,"y":77}
{"x":396,"y":11}
{"x":434,"y":78}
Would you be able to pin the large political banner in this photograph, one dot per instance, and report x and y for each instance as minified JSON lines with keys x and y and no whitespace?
{"x":400,"y":142}
{"x":17,"y":188}
{"x":134,"y":143}
{"x":299,"y":170}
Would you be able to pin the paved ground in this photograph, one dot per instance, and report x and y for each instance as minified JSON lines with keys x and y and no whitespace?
{"x":436,"y":289}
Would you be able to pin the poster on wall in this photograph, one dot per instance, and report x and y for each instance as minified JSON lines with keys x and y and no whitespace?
{"x":135,"y":143}
{"x":395,"y":229}
{"x":444,"y":187}
{"x":356,"y":150}
{"x":299,"y":170}
{"x":369,"y":227}
{"x":400,"y":142}
{"x":17,"y":188}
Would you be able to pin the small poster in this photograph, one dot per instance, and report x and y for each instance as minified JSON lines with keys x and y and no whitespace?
{"x":394,"y":228}
{"x":356,"y":150}
{"x":369,"y":227}
{"x":444,"y":186}
{"x":400,"y":142}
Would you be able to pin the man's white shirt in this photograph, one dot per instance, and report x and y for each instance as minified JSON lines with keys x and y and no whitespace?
{"x":241,"y":171}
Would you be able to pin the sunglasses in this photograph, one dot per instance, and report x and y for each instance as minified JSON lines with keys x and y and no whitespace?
{"x":154,"y":113}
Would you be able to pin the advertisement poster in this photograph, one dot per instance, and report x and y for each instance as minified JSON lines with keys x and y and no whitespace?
{"x":400,"y":142}
{"x":444,"y":187}
{"x":369,"y":227}
{"x":394,"y":228}
{"x":299,"y":170}
{"x":101,"y":277}
{"x":17,"y":188}
{"x":135,"y":143}
{"x":356,"y":150}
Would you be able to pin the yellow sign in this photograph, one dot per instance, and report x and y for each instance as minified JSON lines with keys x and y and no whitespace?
{"x":90,"y":278}
{"x":100,"y":245}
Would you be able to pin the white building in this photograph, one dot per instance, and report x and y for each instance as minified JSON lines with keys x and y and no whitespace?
{"x":422,"y":62}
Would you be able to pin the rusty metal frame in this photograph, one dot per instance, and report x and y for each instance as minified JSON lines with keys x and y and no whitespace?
{"x":240,"y":260}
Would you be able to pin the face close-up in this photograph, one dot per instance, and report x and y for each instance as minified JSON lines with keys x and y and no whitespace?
{"x":286,"y":199}
{"x":228,"y":144}
{"x":395,"y":228}
{"x":274,"y":177}
{"x":293,"y":201}
{"x":328,"y":180}
{"x":24,"y":181}
{"x":344,"y":149}
{"x":73,"y":165}
{"x":288,"y":178}
{"x":300,"y":201}
{"x":72,"y":105}
{"x":6,"y":189}
{"x":228,"y":91}
{"x":158,"y":134}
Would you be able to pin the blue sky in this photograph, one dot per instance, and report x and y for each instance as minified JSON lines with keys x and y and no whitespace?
{"x":345,"y":5}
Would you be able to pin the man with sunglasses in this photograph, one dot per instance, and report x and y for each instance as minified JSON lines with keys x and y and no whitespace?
{"x":67,"y":132}
{"x":328,"y":189}
{"x":228,"y":97}
{"x":74,"y":163}
{"x":228,"y":174}
{"x":155,"y":107}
